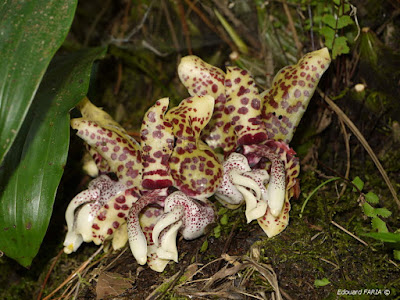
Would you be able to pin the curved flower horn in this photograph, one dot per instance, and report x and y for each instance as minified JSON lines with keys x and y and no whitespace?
{"x":83,"y":209}
{"x":284,"y":171}
{"x":148,"y":218}
{"x":111,"y":141}
{"x":242,"y":184}
{"x":292,"y":89}
{"x":201,"y":78}
{"x":137,"y":238}
{"x":157,"y":143}
{"x":184,"y":214}
{"x":194,"y":166}
{"x":244,"y":107}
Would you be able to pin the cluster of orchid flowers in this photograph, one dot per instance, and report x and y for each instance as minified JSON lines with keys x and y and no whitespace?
{"x":226,"y":140}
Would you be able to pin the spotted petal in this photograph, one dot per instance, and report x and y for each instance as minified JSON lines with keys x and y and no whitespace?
{"x":194,"y":166}
{"x":113,"y":214}
{"x":91,"y":112}
{"x":190,"y":117}
{"x":243,"y":106}
{"x":119,"y":150}
{"x":201,"y":78}
{"x":292,"y":88}
{"x":157,"y":142}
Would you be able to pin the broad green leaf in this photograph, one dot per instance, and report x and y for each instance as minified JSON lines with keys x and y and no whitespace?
{"x":357,"y":181}
{"x":340,"y":46}
{"x":339,"y":23}
{"x":343,"y":21}
{"x":321,"y":282}
{"x":32,"y":169}
{"x":396,"y":254}
{"x":369,"y":211}
{"x":383,"y":212}
{"x":329,"y":34}
{"x":388,"y":237}
{"x":30,"y":34}
{"x":379,"y":225}
{"x":329,"y":20}
{"x":372,"y":198}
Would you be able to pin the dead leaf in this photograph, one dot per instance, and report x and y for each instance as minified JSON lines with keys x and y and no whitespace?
{"x":111,"y":284}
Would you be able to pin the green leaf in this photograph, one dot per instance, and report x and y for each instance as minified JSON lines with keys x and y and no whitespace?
{"x":329,"y":35}
{"x":372,"y":198}
{"x":204,"y":247}
{"x":224,"y":220}
{"x":343,"y":21}
{"x":329,"y":20}
{"x":369,"y":211}
{"x":232,"y":33}
{"x":32,"y":169}
{"x":379,"y":225}
{"x":383,"y":212}
{"x":357,"y":181}
{"x":388,"y":237}
{"x":321,"y":282}
{"x":217,"y":231}
{"x":340,"y":46}
{"x":396,"y":254}
{"x":31,"y":32}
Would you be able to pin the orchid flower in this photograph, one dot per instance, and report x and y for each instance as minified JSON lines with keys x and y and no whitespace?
{"x":262,"y":123}
{"x":163,"y":183}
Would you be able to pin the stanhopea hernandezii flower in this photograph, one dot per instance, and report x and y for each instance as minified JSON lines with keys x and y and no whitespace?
{"x":148,"y":192}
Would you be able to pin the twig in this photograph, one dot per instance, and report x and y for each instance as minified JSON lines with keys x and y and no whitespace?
{"x":135,"y":29}
{"x":82,"y":267}
{"x":170,"y":26}
{"x":293,"y":29}
{"x":119,"y":79}
{"x":314,"y":191}
{"x":349,"y":233}
{"x":329,"y":262}
{"x":285,"y":294}
{"x":239,"y":25}
{"x":363,"y":141}
{"x":268,"y":272}
{"x":106,"y":268}
{"x":48,"y":273}
{"x":228,"y":241}
{"x":157,"y":294}
{"x":201,"y":269}
{"x":310,"y":16}
{"x":185,"y":27}
{"x":95,"y":22}
{"x":347,"y":145}
{"x":221,"y":33}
